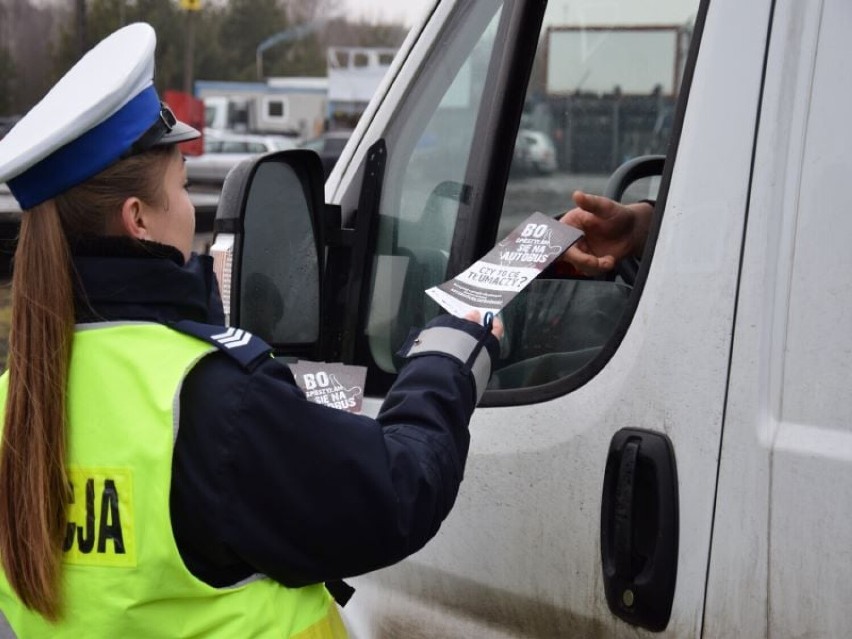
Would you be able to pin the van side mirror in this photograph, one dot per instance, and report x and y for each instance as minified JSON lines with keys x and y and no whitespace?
{"x":267,"y":250}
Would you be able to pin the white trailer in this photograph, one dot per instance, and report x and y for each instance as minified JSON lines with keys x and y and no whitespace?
{"x":295,"y":107}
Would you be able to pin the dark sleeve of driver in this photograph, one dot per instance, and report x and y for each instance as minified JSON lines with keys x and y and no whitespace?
{"x":308,"y":493}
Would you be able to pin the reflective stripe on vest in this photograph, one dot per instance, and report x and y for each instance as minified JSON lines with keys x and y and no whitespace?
{"x":122,"y":574}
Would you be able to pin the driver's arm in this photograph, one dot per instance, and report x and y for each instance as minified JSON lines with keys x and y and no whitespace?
{"x":612,"y":231}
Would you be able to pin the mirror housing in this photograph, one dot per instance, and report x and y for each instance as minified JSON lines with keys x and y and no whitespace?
{"x":269,"y":249}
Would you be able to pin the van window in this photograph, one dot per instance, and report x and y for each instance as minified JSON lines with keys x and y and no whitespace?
{"x":603,"y":90}
{"x":601,"y":93}
{"x":334,"y":145}
{"x":433,"y":142}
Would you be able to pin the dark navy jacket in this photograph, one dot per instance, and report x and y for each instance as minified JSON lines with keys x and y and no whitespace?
{"x":265,"y":481}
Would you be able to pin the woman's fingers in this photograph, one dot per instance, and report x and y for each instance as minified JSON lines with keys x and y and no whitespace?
{"x":497,"y":328}
{"x":496,"y":324}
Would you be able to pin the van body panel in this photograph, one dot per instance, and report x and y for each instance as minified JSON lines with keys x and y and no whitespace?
{"x":736,"y":345}
{"x":738,"y":584}
{"x":785,"y":497}
{"x":520,"y":553}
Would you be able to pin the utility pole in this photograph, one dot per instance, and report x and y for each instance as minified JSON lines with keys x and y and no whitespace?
{"x":192,"y":7}
{"x":189,"y":54}
{"x":288,"y":35}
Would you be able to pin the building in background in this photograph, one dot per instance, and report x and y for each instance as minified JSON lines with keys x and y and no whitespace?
{"x":354,"y":74}
{"x":295,"y":107}
{"x":300,"y":108}
{"x":601,"y":102}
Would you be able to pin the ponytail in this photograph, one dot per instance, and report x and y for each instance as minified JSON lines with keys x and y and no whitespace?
{"x":34,"y":489}
{"x":34,"y":492}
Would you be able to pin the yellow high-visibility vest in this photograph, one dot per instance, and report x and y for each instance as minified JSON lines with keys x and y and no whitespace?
{"x":122,"y":574}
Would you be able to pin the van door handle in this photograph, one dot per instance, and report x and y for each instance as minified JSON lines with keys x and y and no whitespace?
{"x":623,"y":523}
{"x":640,"y":528}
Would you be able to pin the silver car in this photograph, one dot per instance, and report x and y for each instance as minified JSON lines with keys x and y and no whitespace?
{"x":224,"y":151}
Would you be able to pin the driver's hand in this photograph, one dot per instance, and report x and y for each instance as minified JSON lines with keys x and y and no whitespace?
{"x":612,"y":231}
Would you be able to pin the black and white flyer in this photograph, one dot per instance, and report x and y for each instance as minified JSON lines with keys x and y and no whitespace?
{"x":493,"y":281}
{"x":335,"y":385}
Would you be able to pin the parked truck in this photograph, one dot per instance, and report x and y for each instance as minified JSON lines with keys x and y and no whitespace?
{"x":667,"y":452}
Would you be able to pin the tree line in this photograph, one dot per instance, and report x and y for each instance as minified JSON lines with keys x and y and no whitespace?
{"x":41,"y":39}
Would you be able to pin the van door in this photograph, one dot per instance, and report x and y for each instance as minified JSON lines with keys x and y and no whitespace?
{"x":781,"y":555}
{"x":443,"y":156}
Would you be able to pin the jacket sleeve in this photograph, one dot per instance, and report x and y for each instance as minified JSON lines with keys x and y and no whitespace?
{"x":265,"y":481}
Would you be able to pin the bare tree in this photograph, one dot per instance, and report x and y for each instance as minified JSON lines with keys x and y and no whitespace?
{"x":27,"y":32}
{"x":80,"y":22}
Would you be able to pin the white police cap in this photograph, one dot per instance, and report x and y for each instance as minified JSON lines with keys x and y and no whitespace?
{"x":105,"y":108}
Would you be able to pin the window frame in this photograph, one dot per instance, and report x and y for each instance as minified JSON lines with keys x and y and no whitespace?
{"x":501,"y":107}
{"x":570,"y":383}
{"x":497,"y":124}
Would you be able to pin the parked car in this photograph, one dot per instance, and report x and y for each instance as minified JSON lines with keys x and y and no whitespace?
{"x":329,"y":146}
{"x":534,"y":151}
{"x":224,"y":150}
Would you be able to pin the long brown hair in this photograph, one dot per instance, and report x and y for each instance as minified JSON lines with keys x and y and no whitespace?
{"x":34,"y":490}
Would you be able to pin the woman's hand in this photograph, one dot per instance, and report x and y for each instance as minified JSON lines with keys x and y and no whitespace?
{"x":496,"y":325}
{"x":612,"y":231}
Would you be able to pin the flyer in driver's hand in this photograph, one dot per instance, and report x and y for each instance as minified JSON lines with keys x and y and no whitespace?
{"x":490,"y":283}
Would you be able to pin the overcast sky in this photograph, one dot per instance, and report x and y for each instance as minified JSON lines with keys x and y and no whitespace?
{"x":405,"y":11}
{"x":559,"y":11}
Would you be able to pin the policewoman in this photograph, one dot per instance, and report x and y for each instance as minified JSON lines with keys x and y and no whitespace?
{"x":152,"y":482}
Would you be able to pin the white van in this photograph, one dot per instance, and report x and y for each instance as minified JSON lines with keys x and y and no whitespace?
{"x":667,"y":453}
